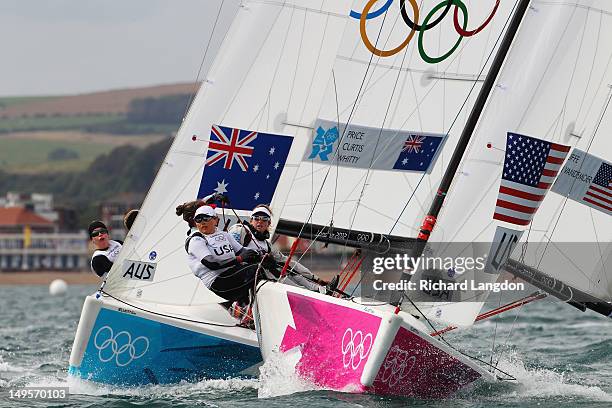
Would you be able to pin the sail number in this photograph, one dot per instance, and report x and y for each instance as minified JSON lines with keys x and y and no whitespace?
{"x":138,"y":270}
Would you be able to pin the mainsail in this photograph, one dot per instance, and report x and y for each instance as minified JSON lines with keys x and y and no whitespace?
{"x":555,"y":86}
{"x":391,"y":114}
{"x":273,"y":64}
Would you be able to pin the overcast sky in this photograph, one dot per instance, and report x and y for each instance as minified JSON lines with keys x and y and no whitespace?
{"x":51,"y":47}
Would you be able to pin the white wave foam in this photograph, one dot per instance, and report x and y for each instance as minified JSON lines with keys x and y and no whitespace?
{"x":545,"y":383}
{"x":182,"y":389}
{"x":277,"y":376}
{"x":9,"y":368}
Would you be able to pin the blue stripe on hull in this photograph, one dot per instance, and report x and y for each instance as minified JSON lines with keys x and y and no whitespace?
{"x":131,"y":350}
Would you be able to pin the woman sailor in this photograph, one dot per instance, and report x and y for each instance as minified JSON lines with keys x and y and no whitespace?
{"x":106,"y":251}
{"x":222,"y":264}
{"x":254,"y":235}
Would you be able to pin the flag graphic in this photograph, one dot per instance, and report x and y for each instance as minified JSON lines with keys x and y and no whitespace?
{"x":230,"y":147}
{"x":244,"y":165}
{"x":530,"y":167}
{"x":599,"y":192}
{"x":418,"y":152}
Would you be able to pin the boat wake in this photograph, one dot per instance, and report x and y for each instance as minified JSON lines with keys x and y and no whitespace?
{"x":537,"y":383}
{"x":278,"y":377}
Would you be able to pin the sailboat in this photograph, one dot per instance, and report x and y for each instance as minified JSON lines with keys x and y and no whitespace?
{"x":153,"y":321}
{"x":527,"y":187}
{"x":261,"y":130}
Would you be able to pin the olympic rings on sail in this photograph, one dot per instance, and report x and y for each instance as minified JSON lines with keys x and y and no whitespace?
{"x":374,"y":14}
{"x":414,"y":26}
{"x":366,"y":40}
{"x":435,"y":60}
{"x":417,"y":27}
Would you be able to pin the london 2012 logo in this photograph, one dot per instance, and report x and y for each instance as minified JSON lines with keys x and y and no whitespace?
{"x":355,"y":348}
{"x":414,"y":26}
{"x":323,"y":143}
{"x":120,"y":346}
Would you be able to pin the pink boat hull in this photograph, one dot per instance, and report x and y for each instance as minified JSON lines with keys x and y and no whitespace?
{"x":337,"y":338}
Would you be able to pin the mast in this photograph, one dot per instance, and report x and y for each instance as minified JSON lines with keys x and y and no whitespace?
{"x":468,"y":130}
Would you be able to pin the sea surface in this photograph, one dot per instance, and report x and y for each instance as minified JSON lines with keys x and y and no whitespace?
{"x":560,"y":357}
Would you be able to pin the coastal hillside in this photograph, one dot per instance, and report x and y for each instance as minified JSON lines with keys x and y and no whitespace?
{"x":58,"y":134}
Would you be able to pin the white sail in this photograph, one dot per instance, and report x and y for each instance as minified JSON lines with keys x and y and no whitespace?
{"x":555,"y":86}
{"x":391,"y":97}
{"x":273,"y":64}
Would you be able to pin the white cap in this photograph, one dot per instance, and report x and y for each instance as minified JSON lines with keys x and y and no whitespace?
{"x":206,"y":210}
{"x":261,"y":210}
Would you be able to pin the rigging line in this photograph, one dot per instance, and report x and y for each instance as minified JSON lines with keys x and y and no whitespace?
{"x":503,"y":346}
{"x":495,"y":331}
{"x":168,"y":315}
{"x":362,"y":84}
{"x":273,"y":22}
{"x":297,"y":63}
{"x":193,"y":95}
{"x":599,"y":85}
{"x":406,"y":205}
{"x":365,"y":181}
{"x":314,"y":71}
{"x":276,"y":68}
{"x":544,"y":74}
{"x":571,"y":81}
{"x":600,"y":255}
{"x":331,"y":222}
{"x":341,"y":138}
{"x":586,"y":88}
{"x":453,"y":347}
{"x":165,"y":162}
{"x":567,"y":197}
{"x":452,"y":59}
{"x":475,"y":82}
{"x":178,"y":222}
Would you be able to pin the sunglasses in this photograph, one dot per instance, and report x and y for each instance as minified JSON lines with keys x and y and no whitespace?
{"x":261,"y":218}
{"x":202,"y":218}
{"x":98,"y":232}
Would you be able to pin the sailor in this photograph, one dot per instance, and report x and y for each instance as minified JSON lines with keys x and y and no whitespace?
{"x":221,"y":263}
{"x":129,"y":218}
{"x":106,"y":250}
{"x":255,"y":235}
{"x":188,"y":209}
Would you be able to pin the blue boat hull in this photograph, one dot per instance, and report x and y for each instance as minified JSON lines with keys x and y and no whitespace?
{"x":130,"y":350}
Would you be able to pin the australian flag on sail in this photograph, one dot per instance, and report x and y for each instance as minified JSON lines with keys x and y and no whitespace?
{"x":530,"y":167}
{"x":244,"y":165}
{"x":417,"y":152}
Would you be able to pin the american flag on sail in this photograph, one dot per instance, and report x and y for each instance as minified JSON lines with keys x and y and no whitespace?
{"x":530,"y":167}
{"x":599,"y":192}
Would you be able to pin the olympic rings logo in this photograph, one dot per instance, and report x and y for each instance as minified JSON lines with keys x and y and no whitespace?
{"x":394,"y":367}
{"x":355,"y":348}
{"x":119,"y":346}
{"x":415,"y":27}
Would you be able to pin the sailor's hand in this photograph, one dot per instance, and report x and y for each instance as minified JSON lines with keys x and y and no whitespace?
{"x":221,"y":198}
{"x":268,"y":261}
{"x":250,"y":256}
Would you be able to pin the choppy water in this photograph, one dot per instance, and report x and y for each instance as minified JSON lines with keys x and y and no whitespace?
{"x":560,"y":356}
